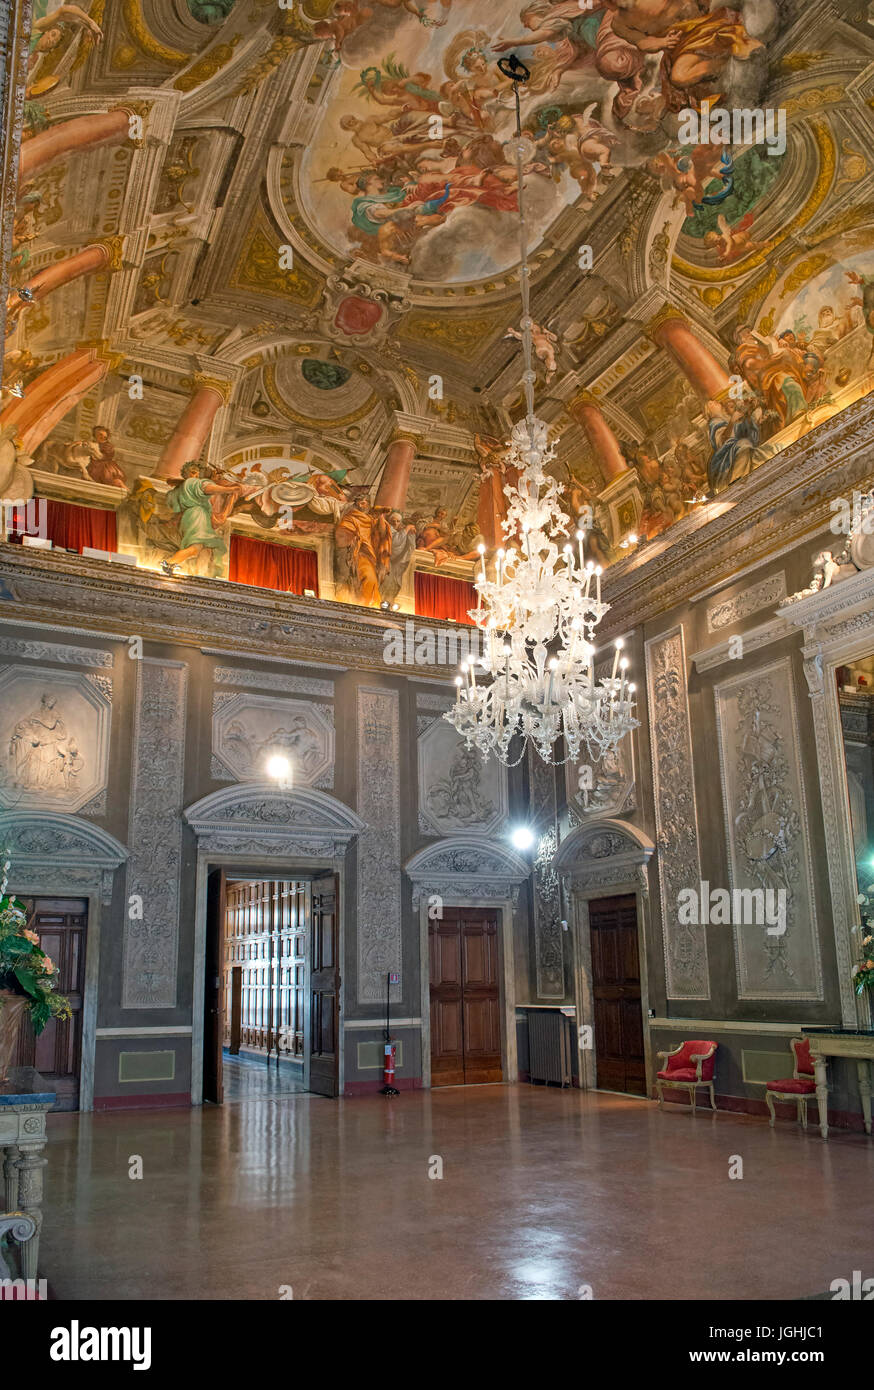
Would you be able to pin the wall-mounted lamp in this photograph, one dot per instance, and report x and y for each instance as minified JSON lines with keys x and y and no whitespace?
{"x":279,"y":769}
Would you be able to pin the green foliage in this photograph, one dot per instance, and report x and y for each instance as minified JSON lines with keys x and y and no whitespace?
{"x":25,"y":969}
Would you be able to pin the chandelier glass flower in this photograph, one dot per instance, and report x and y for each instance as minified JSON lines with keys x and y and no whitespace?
{"x":540,"y":612}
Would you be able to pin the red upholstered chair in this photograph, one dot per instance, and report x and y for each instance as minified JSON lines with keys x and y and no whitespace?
{"x":689,"y":1066}
{"x":798,"y":1086}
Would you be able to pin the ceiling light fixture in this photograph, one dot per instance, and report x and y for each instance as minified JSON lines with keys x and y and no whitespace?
{"x":540,"y":612}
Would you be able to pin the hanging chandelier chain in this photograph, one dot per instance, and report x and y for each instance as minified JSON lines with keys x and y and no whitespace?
{"x":543,"y":605}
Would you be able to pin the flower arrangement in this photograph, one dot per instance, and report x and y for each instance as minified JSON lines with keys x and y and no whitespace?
{"x":863,"y":975}
{"x":25,"y":969}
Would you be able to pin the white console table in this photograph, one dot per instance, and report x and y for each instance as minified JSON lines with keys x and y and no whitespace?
{"x":24,"y":1100}
{"x":841,"y":1042}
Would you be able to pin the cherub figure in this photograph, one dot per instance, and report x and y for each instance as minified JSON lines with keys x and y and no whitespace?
{"x":544,"y":346}
{"x":583,"y":145}
{"x":688,"y":174}
{"x":732,"y":242}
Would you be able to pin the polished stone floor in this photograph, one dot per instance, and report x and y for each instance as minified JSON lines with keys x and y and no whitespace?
{"x":253,"y":1078}
{"x":543,"y":1192}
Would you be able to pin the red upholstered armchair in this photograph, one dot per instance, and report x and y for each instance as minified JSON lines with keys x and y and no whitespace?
{"x":689,"y":1066}
{"x":798,"y":1086}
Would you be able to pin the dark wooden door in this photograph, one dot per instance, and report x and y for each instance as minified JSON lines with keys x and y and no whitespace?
{"x":465,"y":997}
{"x":616,"y":991}
{"x":213,"y":1010}
{"x":61,"y":925}
{"x":325,"y":987}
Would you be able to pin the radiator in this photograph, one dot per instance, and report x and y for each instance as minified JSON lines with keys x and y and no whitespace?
{"x":549,"y":1048}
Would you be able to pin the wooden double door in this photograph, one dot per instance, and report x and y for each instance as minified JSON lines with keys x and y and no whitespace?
{"x":619,"y":1048}
{"x":465,"y":997}
{"x":61,"y":925}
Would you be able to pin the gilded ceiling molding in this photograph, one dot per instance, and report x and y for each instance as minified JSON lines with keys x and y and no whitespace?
{"x":222,"y":388}
{"x":459,"y":337}
{"x":274,"y":395}
{"x":258,"y":268}
{"x":206,"y":67}
{"x":145,"y":40}
{"x":666,"y":314}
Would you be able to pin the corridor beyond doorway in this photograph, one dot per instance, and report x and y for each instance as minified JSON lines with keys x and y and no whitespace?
{"x":271,"y":979}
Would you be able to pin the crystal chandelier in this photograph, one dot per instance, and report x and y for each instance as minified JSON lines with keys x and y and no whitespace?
{"x":539,"y":613}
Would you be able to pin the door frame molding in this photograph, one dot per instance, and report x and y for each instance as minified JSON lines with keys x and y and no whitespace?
{"x":61,"y":856}
{"x":606,"y":858}
{"x":280,"y":834}
{"x":470,"y":871}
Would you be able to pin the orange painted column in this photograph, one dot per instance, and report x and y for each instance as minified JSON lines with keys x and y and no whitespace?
{"x":195,"y":423}
{"x":395,"y":481}
{"x":95,"y":257}
{"x":669,"y":330}
{"x":52,"y":394}
{"x":585,"y":409}
{"x":81,"y":133}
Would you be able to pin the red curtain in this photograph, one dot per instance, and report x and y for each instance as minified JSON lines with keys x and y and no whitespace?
{"x":438,"y":596}
{"x":288,"y":568}
{"x":73,"y":527}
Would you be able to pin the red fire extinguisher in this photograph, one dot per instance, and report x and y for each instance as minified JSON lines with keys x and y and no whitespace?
{"x":388,"y":1066}
{"x":388,"y":1070}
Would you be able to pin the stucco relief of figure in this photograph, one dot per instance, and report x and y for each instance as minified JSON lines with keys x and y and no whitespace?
{"x":297,"y":741}
{"x":44,"y":757}
{"x":15,"y":477}
{"x":458,"y":796}
{"x":609,"y":780}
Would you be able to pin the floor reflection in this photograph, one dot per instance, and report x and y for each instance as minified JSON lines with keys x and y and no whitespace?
{"x":252,"y":1078}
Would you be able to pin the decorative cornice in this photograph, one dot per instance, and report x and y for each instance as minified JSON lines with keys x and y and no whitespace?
{"x":72,"y":590}
{"x":462,"y":867}
{"x":257,"y":818}
{"x":710,"y":657}
{"x":584,"y":397}
{"x":51,"y":851}
{"x":797,"y":485}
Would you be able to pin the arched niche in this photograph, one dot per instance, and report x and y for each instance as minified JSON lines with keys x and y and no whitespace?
{"x":604,"y":859}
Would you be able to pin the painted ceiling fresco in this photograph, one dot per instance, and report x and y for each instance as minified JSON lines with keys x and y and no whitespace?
{"x":269,"y":266}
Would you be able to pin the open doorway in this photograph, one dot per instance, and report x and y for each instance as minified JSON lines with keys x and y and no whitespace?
{"x":271,"y":986}
{"x":61,"y":925}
